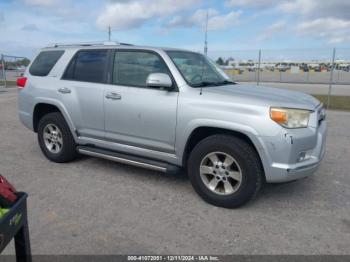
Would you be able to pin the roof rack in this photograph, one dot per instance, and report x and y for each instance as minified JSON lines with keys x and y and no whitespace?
{"x":87,"y":44}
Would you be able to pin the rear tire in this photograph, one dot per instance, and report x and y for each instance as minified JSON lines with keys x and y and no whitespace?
{"x":225,"y":171}
{"x":55,"y":139}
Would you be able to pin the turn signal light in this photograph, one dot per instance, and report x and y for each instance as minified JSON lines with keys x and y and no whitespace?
{"x":279,"y":116}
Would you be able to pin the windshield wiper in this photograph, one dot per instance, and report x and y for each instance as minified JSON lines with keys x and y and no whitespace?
{"x":225,"y":82}
{"x":207,"y":83}
{"x":204,"y":84}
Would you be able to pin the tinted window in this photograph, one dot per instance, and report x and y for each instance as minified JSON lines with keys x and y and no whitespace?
{"x":88,"y":66}
{"x":44,"y":62}
{"x":132,"y":68}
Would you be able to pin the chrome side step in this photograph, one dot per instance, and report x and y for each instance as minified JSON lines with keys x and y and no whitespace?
{"x":126,"y":159}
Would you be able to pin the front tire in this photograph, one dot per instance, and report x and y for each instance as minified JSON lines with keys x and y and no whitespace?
{"x":225,"y":171}
{"x":55,"y":139}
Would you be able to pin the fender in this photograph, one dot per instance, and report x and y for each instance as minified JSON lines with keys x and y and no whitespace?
{"x":61,"y":108}
{"x":250,"y":132}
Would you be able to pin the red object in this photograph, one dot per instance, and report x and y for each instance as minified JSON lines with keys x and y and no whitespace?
{"x":21,"y":82}
{"x":7,"y":192}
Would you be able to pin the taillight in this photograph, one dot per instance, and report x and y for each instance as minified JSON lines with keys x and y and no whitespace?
{"x":21,"y":82}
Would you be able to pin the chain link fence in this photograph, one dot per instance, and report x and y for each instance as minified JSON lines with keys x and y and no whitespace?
{"x":286,"y":66}
{"x":324,"y":73}
{"x":11,"y":68}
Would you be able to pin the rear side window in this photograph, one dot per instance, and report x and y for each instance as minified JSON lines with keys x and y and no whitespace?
{"x":44,"y":63}
{"x":88,"y":66}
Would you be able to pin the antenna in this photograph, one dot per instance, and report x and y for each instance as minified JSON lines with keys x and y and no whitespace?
{"x":109,"y":33}
{"x":206,"y":35}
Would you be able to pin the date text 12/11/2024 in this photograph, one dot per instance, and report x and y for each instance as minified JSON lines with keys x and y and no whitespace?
{"x":173,"y":258}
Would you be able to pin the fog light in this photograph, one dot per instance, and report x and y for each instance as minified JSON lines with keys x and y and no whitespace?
{"x":301,"y":156}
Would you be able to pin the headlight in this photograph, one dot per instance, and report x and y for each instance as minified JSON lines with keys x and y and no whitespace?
{"x":290,"y":118}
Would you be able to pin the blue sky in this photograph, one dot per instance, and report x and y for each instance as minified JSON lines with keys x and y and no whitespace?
{"x":26,"y":25}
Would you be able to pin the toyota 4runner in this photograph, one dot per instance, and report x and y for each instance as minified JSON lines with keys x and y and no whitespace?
{"x":167,"y":109}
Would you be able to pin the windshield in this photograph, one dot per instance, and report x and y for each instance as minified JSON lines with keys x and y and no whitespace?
{"x":198,"y":70}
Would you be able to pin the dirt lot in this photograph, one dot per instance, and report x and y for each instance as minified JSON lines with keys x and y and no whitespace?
{"x":94,"y":206}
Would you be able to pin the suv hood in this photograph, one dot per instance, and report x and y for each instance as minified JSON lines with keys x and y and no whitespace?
{"x":268,"y":96}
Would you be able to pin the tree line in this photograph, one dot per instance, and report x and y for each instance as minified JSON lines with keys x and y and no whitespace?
{"x":13,"y":65}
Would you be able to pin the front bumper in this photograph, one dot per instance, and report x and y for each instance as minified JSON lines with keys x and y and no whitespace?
{"x":281,"y":161}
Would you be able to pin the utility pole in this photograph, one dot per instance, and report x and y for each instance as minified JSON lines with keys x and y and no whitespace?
{"x":109,"y":33}
{"x":3,"y":71}
{"x":206,"y":35}
{"x":331,"y":79}
{"x":259,"y":64}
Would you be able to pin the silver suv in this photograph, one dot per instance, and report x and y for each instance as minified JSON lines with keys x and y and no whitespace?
{"x":167,"y":109}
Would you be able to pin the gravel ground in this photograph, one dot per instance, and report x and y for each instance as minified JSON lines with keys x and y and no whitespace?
{"x":94,"y":206}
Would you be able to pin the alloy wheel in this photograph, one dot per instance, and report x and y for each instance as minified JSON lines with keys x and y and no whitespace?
{"x":53,"y":138}
{"x":220,"y":173}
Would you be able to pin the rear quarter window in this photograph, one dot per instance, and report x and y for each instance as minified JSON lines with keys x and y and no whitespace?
{"x":44,"y":63}
{"x":88,"y":66}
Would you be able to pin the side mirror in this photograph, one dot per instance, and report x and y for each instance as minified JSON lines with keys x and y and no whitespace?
{"x":159,"y":80}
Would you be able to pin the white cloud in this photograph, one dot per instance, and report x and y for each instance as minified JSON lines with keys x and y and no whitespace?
{"x":133,"y":13}
{"x":216,"y":21}
{"x":323,"y":25}
{"x":273,"y":30}
{"x":197,"y":19}
{"x":298,"y":6}
{"x":45,"y":3}
{"x":30,"y":27}
{"x":326,"y":19}
{"x":65,"y":10}
{"x":251,"y":3}
{"x":334,"y":29}
{"x":39,"y":31}
{"x":317,"y":8}
{"x":339,"y":40}
{"x":221,"y":22}
{"x":310,"y":8}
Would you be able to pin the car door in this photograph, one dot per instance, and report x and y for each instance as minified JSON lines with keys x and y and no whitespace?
{"x":82,"y":91}
{"x":135,"y":114}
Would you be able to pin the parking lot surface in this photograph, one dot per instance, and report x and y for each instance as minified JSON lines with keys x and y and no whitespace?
{"x":315,"y":89}
{"x":94,"y":206}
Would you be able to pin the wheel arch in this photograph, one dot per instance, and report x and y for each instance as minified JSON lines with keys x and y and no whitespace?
{"x":202,"y":132}
{"x":42,"y":108}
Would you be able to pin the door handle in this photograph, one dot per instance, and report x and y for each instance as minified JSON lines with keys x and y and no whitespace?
{"x":64,"y":90}
{"x":113,"y":96}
